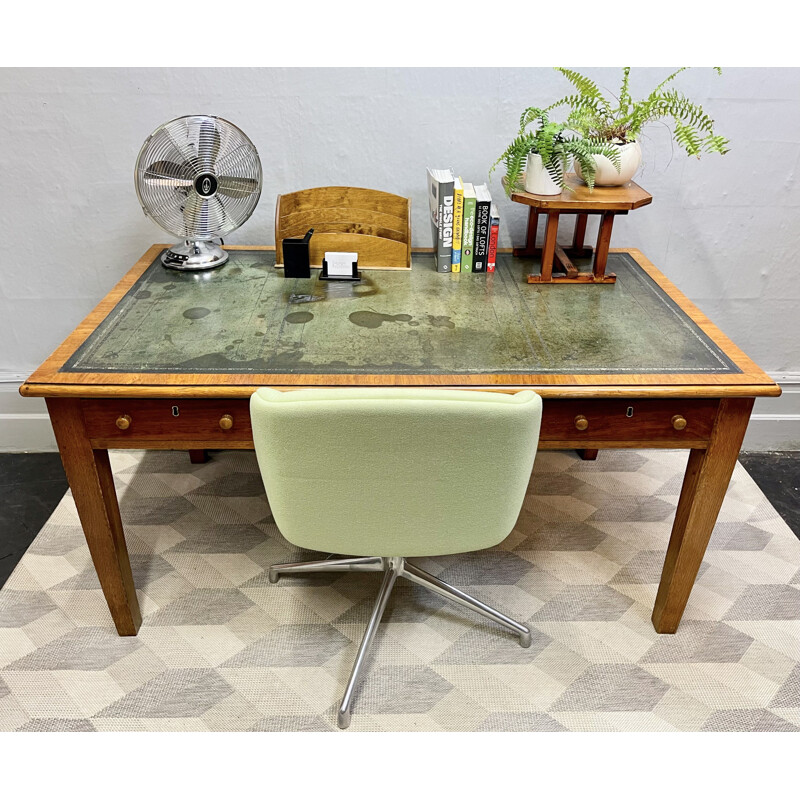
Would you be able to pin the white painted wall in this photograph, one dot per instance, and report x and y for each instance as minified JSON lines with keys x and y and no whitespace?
{"x":726,"y":230}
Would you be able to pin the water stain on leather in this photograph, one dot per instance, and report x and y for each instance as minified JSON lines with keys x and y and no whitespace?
{"x":366,"y":288}
{"x":299,"y":317}
{"x":440,"y":322}
{"x":373,"y":319}
{"x":196,"y":313}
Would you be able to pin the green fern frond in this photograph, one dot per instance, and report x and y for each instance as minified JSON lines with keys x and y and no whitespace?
{"x":688,"y":138}
{"x":530,"y":115}
{"x":716,"y":144}
{"x":667,"y":80}
{"x":624,"y":92}
{"x":586,"y":87}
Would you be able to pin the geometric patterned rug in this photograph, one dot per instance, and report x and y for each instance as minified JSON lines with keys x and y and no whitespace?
{"x":222,"y":649}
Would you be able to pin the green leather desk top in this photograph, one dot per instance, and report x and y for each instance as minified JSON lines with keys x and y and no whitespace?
{"x":247,"y":318}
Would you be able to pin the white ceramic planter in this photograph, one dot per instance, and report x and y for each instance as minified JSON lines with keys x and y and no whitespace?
{"x":630,"y":156}
{"x":537,"y":178}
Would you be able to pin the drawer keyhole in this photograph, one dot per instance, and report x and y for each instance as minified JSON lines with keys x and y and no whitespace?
{"x":175,"y":411}
{"x":629,"y":412}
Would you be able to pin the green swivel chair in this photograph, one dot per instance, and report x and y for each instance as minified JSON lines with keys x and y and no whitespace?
{"x":387,"y":474}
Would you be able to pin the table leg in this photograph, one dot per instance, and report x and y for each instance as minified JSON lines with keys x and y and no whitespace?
{"x":92,"y":483}
{"x":198,"y":456}
{"x":578,"y":247}
{"x":603,"y":242}
{"x":588,"y":454}
{"x":704,"y":485}
{"x":530,"y":238}
{"x":549,"y":248}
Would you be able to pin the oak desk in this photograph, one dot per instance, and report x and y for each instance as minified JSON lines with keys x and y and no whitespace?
{"x":168,"y":360}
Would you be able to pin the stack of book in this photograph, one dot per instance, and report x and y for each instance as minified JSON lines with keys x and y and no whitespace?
{"x":464,"y":223}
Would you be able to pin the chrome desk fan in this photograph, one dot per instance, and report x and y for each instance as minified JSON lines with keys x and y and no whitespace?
{"x":198,"y":177}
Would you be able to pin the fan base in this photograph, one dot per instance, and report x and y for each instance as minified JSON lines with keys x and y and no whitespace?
{"x":190,"y":256}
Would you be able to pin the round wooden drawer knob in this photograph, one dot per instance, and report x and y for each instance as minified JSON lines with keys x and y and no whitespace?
{"x":226,"y":422}
{"x":581,"y":423}
{"x":123,"y":422}
{"x":678,"y":422}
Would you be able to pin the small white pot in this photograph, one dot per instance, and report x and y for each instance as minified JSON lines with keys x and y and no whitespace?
{"x":537,"y":178}
{"x":630,"y":157}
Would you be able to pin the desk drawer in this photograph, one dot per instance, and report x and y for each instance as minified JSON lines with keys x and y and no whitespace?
{"x":566,"y":423}
{"x":168,"y":423}
{"x":664,"y":423}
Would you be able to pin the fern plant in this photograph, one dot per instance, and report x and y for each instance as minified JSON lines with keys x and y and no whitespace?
{"x":553,"y":142}
{"x":621,"y":119}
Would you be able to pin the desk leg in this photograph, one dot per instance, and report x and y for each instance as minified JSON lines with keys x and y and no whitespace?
{"x":92,"y":483}
{"x":708,"y":474}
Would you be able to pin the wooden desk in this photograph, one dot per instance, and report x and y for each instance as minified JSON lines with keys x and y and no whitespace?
{"x":578,"y":200}
{"x":168,"y":361}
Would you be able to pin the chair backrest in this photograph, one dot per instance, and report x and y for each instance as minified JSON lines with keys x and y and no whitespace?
{"x":395,"y":472}
{"x":374,"y":224}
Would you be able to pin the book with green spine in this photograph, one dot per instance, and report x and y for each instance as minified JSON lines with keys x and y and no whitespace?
{"x":468,"y":229}
{"x":458,"y":219}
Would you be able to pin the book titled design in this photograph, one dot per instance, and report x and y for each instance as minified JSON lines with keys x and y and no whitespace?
{"x":494,"y":231}
{"x":458,"y":222}
{"x":468,"y":228}
{"x":483,"y":202}
{"x":440,"y":199}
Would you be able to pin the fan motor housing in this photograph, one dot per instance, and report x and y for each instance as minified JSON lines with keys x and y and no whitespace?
{"x":206,"y":184}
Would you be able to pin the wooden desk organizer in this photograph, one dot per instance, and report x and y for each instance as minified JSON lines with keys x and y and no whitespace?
{"x":376,"y":225}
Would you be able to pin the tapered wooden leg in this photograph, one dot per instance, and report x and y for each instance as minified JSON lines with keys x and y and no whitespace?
{"x":603,"y":242}
{"x":92,"y":483}
{"x":198,"y":456}
{"x":708,"y":474}
{"x":578,"y":247}
{"x":549,"y":248}
{"x":588,"y":454}
{"x":530,"y":240}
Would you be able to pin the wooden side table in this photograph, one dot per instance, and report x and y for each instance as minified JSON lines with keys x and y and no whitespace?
{"x":607,"y":201}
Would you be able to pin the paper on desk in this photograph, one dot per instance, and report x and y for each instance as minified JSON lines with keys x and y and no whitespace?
{"x":340,"y":265}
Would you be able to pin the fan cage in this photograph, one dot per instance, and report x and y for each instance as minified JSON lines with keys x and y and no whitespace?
{"x":186,"y":149}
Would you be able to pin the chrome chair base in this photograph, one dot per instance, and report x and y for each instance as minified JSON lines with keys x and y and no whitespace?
{"x":394,"y":567}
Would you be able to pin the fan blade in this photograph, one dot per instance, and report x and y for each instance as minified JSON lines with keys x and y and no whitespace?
{"x":195,"y":215}
{"x":232,"y":186}
{"x":210,"y":142}
{"x":167,"y":173}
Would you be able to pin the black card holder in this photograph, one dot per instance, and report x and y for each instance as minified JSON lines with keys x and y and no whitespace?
{"x":323,"y":276}
{"x":296,"y":260}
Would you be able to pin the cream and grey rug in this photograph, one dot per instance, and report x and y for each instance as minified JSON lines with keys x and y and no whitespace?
{"x":222,"y":649}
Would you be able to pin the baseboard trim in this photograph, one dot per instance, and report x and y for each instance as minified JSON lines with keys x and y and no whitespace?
{"x":25,"y":425}
{"x":26,"y":433}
